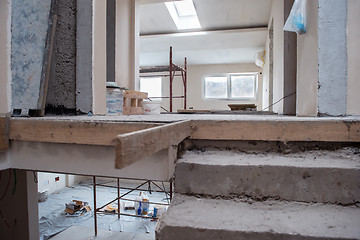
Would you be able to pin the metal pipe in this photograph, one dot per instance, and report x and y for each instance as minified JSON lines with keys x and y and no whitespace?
{"x":132,"y":200}
{"x":171,"y":79}
{"x":185,"y":83}
{"x":118,"y":193}
{"x":95,"y":220}
{"x":102,"y":185}
{"x":123,"y":195}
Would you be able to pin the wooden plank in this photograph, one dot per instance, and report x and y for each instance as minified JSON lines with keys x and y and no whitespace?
{"x":4,"y":134}
{"x":79,"y":132}
{"x":272,"y":130}
{"x":132,"y":111}
{"x":135,"y":94}
{"x":134,"y":146}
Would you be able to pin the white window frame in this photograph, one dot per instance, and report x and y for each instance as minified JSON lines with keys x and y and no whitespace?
{"x":228,"y":75}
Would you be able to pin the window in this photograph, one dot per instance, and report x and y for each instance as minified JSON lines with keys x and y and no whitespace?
{"x":183,"y":14}
{"x":231,"y":86}
{"x":151,"y":85}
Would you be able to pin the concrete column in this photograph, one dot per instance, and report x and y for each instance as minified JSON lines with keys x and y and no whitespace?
{"x":307,"y":64}
{"x":5,"y":41}
{"x":127,"y":44}
{"x":99,"y":57}
{"x":84,"y":78}
{"x":19,"y":206}
{"x":353,"y":50}
{"x":332,"y":93}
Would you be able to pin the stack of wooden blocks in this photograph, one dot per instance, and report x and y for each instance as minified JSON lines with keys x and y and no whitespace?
{"x":133,"y":102}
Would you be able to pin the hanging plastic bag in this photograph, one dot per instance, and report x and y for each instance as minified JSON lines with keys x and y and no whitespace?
{"x":296,"y":21}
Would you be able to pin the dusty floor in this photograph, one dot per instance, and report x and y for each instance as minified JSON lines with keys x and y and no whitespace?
{"x":53,"y":220}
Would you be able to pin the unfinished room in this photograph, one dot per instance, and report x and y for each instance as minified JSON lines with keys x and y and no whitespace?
{"x":179,"y":119}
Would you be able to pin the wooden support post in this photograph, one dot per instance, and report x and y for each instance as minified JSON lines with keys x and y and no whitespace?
{"x":4,"y":134}
{"x":132,"y":147}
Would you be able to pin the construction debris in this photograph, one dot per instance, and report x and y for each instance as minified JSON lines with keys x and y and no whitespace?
{"x":77,"y":207}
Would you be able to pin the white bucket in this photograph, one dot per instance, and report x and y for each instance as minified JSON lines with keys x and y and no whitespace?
{"x":151,"y":107}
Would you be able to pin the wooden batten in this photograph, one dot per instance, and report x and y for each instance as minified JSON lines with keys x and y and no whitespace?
{"x":133,"y":102}
{"x":4,"y":134}
{"x":79,"y":132}
{"x":134,"y":146}
{"x":272,"y":130}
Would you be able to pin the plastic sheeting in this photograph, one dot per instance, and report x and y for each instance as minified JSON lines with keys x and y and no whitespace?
{"x":53,"y":219}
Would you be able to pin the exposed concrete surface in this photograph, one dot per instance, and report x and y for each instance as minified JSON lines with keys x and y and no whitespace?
{"x":5,"y":56}
{"x":84,"y":56}
{"x":333,"y":60}
{"x":30,"y":21}
{"x":86,"y":233}
{"x":318,"y":176}
{"x":62,"y":82}
{"x":353,"y":49}
{"x":199,"y":218}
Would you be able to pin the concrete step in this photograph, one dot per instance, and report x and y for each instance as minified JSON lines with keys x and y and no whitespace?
{"x":319,"y":176}
{"x":200,"y":218}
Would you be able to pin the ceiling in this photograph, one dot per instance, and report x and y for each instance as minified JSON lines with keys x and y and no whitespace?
{"x":232,"y":32}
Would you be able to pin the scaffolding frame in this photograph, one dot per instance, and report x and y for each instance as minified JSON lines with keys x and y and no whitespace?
{"x":173,"y":71}
{"x":121,"y":197}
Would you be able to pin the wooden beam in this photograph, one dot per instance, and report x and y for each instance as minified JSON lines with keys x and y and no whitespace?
{"x":273,"y":130}
{"x":4,"y":134}
{"x":135,"y":94}
{"x":79,"y":132}
{"x":134,"y":146}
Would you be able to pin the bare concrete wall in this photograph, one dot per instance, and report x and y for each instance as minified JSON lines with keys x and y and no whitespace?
{"x":332,"y":93}
{"x":307,"y":64}
{"x":353,"y":50}
{"x":62,"y":82}
{"x":29,"y":26}
{"x":5,"y":40}
{"x":84,"y":58}
{"x":19,"y":207}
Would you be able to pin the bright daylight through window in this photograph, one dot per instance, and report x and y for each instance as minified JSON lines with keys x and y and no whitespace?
{"x":231,"y":86}
{"x":184,"y":14}
{"x":151,"y":85}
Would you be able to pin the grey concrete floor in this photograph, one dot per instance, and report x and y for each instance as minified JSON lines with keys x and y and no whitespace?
{"x":53,"y":220}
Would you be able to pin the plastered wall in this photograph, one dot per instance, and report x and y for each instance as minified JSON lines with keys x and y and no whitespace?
{"x":195,"y":87}
{"x":277,"y":17}
{"x":307,"y":64}
{"x":5,"y":40}
{"x":99,"y":57}
{"x":353,"y":51}
{"x":47,"y":182}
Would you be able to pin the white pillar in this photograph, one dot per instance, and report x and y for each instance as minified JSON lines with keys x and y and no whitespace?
{"x":127,"y":44}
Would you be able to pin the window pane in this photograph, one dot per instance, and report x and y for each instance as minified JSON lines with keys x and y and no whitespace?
{"x":152,"y":86}
{"x":243,"y":86}
{"x":216,"y":87}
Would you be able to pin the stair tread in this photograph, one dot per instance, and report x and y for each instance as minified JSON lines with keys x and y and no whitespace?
{"x":273,"y":217}
{"x":344,"y":158}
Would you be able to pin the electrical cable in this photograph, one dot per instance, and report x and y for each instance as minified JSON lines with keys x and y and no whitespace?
{"x":14,"y":188}
{"x":7,"y":186}
{"x":279,"y":101}
{"x":35,"y":177}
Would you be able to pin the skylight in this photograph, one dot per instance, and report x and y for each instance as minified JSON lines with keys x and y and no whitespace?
{"x":184,"y":14}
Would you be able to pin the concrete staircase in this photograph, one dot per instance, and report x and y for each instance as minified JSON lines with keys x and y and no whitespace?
{"x":234,"y":195}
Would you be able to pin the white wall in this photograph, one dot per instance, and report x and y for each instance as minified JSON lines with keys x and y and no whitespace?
{"x":307,"y":64}
{"x":5,"y":40}
{"x":195,"y":87}
{"x":277,"y":15}
{"x":46,"y":181}
{"x":353,"y":50}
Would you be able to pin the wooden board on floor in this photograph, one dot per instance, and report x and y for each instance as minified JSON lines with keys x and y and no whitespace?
{"x":272,"y":130}
{"x":134,"y":146}
{"x":4,"y":134}
{"x":79,"y":132}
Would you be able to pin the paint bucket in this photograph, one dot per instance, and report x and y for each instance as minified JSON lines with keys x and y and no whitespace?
{"x":114,"y":101}
{"x":151,"y":107}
